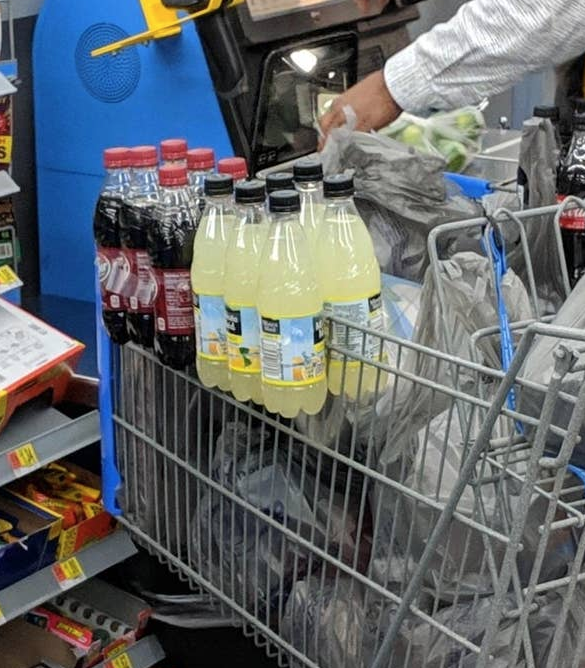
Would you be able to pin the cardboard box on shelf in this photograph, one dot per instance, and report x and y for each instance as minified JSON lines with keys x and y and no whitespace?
{"x":31,"y":537}
{"x":84,"y":645}
{"x":118,"y":615}
{"x":34,"y":359}
{"x":78,"y":533}
{"x":27,"y":646}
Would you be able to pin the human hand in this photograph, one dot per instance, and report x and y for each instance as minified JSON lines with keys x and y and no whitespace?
{"x":367,"y":6}
{"x":371,"y":101}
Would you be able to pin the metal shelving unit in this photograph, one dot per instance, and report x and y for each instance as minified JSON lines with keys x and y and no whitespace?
{"x":39,"y":587}
{"x":51,"y":433}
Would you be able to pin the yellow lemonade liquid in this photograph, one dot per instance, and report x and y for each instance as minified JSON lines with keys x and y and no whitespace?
{"x":240,"y":292}
{"x":290,"y":309}
{"x":207,"y":281}
{"x":349,"y":276}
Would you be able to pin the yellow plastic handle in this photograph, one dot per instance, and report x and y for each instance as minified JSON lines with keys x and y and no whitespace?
{"x":161,"y":31}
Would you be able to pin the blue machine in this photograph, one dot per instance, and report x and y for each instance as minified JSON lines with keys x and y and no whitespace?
{"x":84,"y":104}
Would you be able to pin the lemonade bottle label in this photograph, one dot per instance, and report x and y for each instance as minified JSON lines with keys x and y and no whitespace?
{"x":210,"y":331}
{"x":293,"y":350}
{"x":367,"y":313}
{"x":243,"y":339}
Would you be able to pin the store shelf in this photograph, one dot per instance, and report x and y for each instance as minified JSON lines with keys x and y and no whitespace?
{"x":43,"y":585}
{"x":144,"y":654}
{"x":52,"y":434}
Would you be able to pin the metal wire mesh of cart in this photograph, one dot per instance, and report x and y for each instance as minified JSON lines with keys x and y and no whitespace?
{"x":425,"y":511}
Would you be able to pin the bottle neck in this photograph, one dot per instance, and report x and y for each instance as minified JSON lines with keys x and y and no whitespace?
{"x":220,"y":201}
{"x":144,"y":182}
{"x":340,"y":204}
{"x":309,"y":186}
{"x":285,"y":218}
{"x":251,"y":214}
{"x":117,"y":180}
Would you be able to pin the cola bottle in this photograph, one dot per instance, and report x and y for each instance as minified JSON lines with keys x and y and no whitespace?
{"x":136,"y":218}
{"x":174,"y":152}
{"x":170,"y":246}
{"x":200,"y":163}
{"x":571,"y":181}
{"x":110,"y":259}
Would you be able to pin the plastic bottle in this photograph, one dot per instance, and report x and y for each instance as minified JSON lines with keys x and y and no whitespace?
{"x":170,"y":244}
{"x":571,"y":181}
{"x":207,"y":280}
{"x":174,"y":152}
{"x":237,"y":168}
{"x":137,"y":216}
{"x":109,"y":258}
{"x":291,"y":318}
{"x":349,"y":276}
{"x":200,"y":163}
{"x":308,"y":176}
{"x":243,"y":257}
{"x":279,"y":181}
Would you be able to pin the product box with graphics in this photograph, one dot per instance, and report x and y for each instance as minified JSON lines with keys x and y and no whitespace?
{"x":34,"y":358}
{"x":29,"y":538}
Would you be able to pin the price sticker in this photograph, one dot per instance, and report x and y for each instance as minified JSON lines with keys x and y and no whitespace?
{"x":121,"y":661}
{"x":24,"y":459}
{"x":69,"y":573}
{"x":3,"y":619}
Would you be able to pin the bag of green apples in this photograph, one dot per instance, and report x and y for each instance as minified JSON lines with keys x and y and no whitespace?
{"x":454,"y":135}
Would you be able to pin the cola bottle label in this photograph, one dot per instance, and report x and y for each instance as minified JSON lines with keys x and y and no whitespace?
{"x":172,"y":307}
{"x":113,"y":271}
{"x":140,"y":288}
{"x":572,"y":219}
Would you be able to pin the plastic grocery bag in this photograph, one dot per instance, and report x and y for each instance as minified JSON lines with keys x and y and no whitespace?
{"x":324,"y":620}
{"x":454,"y":136}
{"x":237,"y":549}
{"x":401,"y":195}
{"x":539,"y":368}
{"x":538,"y":160}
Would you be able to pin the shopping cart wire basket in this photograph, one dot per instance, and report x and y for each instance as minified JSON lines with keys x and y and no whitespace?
{"x":410,"y":525}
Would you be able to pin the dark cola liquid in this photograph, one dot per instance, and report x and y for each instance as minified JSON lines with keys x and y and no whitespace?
{"x":111,"y":267}
{"x":170,"y":244}
{"x":571,"y":181}
{"x":135,"y":220}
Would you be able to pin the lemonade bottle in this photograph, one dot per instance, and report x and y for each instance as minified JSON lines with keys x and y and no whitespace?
{"x":207,"y":280}
{"x":241,"y":282}
{"x":349,"y":276}
{"x":308,"y":177}
{"x":291,"y":319}
{"x":279,"y":181}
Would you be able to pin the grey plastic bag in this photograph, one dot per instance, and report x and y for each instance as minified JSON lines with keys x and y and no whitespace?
{"x":539,"y":368}
{"x":401,"y":194}
{"x":243,"y":553}
{"x":538,"y":159}
{"x":325,"y":620}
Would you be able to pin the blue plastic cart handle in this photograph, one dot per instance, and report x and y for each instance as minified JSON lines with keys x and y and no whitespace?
{"x":471,"y":186}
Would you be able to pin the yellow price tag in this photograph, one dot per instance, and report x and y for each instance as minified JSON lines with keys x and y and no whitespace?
{"x":7,"y":275}
{"x":5,"y":149}
{"x":3,"y":619}
{"x":69,"y":573}
{"x":23,"y":460}
{"x":122,"y":661}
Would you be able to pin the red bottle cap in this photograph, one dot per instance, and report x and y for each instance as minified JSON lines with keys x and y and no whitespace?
{"x":235,"y":167}
{"x":173,"y":149}
{"x":172,"y":175}
{"x":144,"y":156}
{"x":115,"y":158}
{"x":201,"y":158}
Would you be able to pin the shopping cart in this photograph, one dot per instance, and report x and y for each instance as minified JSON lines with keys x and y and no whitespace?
{"x":430,"y":522}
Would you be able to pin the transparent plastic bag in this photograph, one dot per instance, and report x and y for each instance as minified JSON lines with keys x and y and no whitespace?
{"x":454,"y":136}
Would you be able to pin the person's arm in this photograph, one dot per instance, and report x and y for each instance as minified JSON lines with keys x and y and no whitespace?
{"x":486,"y":48}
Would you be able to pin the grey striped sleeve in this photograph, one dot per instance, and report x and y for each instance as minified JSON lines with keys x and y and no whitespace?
{"x":486,"y":48}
